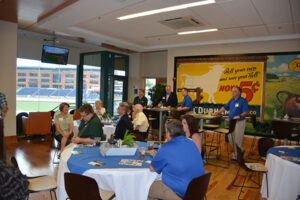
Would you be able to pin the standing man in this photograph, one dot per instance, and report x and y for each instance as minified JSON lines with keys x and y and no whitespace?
{"x":141,"y":99}
{"x":168,"y":98}
{"x":3,"y":105}
{"x":238,"y":109}
{"x":187,"y":103}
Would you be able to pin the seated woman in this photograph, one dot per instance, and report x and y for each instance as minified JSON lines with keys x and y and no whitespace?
{"x":190,"y":129}
{"x":99,"y":110}
{"x":64,"y":125}
{"x":90,"y":126}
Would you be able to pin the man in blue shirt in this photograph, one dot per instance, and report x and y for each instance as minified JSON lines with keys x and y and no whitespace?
{"x":179,"y":161}
{"x":238,"y":109}
{"x":187,"y":103}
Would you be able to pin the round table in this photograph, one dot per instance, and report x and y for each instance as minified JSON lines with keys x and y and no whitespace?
{"x":127,"y":183}
{"x":283,"y":175}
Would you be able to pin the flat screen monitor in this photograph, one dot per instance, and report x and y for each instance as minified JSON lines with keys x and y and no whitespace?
{"x":55,"y":55}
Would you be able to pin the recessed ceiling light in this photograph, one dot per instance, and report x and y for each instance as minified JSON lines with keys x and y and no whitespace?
{"x":198,"y":31}
{"x":167,"y":9}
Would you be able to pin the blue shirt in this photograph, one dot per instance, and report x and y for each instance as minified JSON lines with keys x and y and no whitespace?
{"x":237,"y":107}
{"x":180,"y":161}
{"x":187,"y":102}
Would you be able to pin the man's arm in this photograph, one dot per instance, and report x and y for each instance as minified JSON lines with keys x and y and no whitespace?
{"x":219,"y":111}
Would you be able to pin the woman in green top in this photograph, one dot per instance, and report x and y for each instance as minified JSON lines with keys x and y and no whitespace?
{"x":90,"y":126}
{"x":64,"y":125}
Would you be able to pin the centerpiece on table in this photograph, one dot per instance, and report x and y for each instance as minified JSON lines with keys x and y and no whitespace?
{"x":125,"y":147}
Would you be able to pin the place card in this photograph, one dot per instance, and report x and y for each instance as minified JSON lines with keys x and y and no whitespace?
{"x":96,"y":163}
{"x":290,"y":158}
{"x":76,"y":152}
{"x":131,"y":162}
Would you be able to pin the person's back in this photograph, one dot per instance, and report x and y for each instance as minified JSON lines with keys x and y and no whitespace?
{"x":184,"y":163}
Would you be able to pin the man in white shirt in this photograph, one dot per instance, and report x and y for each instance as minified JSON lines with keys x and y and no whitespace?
{"x":140,"y":123}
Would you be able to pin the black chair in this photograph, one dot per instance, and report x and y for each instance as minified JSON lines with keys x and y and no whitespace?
{"x":249,"y":168}
{"x":197,"y":188}
{"x":80,"y":187}
{"x":264,"y":144}
{"x":282,"y":130}
{"x":39,"y":183}
{"x":19,"y":123}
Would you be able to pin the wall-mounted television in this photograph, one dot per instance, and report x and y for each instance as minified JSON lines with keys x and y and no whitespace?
{"x":55,"y":55}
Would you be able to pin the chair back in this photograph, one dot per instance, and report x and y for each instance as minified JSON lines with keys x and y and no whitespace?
{"x":80,"y":187}
{"x":197,"y":188}
{"x":281,"y":130}
{"x":37,"y":123}
{"x":253,"y":120}
{"x":76,"y":115}
{"x":19,"y":122}
{"x":14,"y":162}
{"x":240,"y":159}
{"x":264,"y":144}
{"x":215,"y":121}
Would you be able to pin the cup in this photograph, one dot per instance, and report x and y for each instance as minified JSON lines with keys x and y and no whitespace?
{"x":150,"y":145}
{"x":142,"y":152}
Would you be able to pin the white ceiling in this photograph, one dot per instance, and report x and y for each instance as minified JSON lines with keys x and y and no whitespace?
{"x":237,"y":21}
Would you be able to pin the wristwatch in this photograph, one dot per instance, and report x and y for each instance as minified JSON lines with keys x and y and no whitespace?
{"x":240,"y":115}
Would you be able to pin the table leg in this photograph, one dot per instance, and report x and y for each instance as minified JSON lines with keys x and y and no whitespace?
{"x":160,"y":125}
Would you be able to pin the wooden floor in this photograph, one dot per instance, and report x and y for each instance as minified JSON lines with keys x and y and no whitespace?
{"x":35,"y":158}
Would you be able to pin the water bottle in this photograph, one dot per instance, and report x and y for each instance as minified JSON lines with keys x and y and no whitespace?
{"x":275,"y":114}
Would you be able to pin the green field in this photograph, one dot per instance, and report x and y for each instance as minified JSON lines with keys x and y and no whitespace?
{"x":35,"y":106}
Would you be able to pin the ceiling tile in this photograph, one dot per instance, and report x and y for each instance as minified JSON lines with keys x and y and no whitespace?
{"x":281,"y":29}
{"x":256,"y":31}
{"x":295,"y":4}
{"x":274,"y":11}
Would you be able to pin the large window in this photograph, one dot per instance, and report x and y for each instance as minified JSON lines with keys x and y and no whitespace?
{"x":150,"y":83}
{"x":44,"y":94}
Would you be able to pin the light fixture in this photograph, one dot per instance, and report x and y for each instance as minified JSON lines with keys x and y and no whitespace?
{"x":167,"y":9}
{"x":198,"y":31}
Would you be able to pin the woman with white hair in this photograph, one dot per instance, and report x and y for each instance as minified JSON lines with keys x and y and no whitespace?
{"x":140,"y":123}
{"x":99,"y":110}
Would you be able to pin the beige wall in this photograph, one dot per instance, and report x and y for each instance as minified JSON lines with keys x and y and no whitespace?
{"x":8,"y":54}
{"x":237,"y":48}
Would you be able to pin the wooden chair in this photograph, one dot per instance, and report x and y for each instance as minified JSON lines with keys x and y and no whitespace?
{"x":80,"y":187}
{"x":39,"y":183}
{"x":197,"y":188}
{"x":76,"y":115}
{"x":249,"y":168}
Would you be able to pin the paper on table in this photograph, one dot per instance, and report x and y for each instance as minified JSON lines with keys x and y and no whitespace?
{"x":131,"y":162}
{"x":96,"y":163}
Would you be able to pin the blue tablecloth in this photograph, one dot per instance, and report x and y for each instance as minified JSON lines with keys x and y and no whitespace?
{"x":290,"y":152}
{"x":79,"y":163}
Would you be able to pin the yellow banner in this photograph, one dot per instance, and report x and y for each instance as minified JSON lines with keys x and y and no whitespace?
{"x":217,"y":80}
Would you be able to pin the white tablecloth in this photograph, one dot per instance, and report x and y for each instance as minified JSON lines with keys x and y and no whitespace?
{"x":283,"y":179}
{"x":128,"y":184}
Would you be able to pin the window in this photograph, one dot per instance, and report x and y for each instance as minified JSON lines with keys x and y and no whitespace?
{"x":56,"y":78}
{"x":56,"y":86}
{"x":150,"y":83}
{"x":21,"y":74}
{"x":45,"y":80}
{"x":69,"y":75}
{"x":93,"y":82}
{"x":69,"y":81}
{"x":69,"y":87}
{"x":94,"y":76}
{"x":84,"y":75}
{"x":45,"y":75}
{"x":21,"y":79}
{"x":44,"y":90}
{"x":33,"y":74}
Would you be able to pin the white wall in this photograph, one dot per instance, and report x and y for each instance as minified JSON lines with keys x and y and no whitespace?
{"x":154,"y":64}
{"x":237,"y":48}
{"x":8,"y":54}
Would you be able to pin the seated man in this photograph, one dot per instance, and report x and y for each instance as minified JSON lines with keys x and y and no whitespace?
{"x":140,"y":123}
{"x":124,"y":122}
{"x":187,"y":103}
{"x":90,"y":126}
{"x":176,"y":167}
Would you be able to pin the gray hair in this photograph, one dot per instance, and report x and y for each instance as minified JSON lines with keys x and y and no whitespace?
{"x":139,"y":107}
{"x":175,"y":128}
{"x":124,"y":106}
